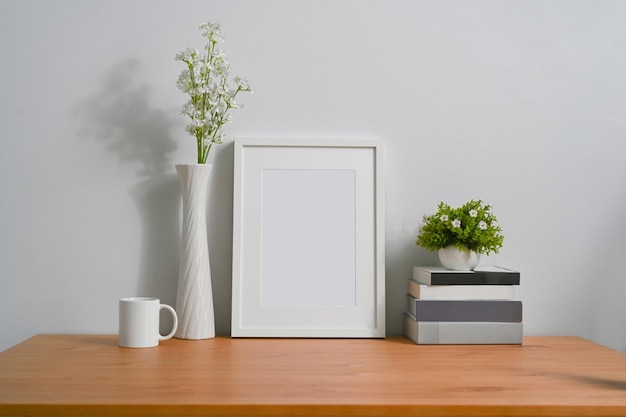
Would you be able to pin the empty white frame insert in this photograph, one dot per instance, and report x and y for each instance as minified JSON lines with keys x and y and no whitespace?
{"x":308,"y":238}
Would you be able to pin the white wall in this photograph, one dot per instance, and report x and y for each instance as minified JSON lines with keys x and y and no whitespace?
{"x":521,"y":103}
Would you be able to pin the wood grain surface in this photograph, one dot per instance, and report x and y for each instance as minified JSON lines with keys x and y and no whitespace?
{"x":68,"y":375}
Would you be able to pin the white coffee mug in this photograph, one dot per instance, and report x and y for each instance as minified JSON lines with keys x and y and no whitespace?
{"x":139,"y":322}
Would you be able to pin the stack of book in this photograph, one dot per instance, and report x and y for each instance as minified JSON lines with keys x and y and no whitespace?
{"x":463,"y":307}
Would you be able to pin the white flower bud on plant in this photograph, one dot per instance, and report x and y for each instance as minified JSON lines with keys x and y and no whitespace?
{"x":205,"y":81}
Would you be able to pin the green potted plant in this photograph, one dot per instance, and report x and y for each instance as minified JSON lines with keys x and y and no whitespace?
{"x":460,"y":235}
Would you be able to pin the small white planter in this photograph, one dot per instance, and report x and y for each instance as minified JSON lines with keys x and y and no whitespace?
{"x":455,"y":259}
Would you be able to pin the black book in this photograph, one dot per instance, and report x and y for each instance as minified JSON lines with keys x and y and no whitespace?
{"x":487,"y":275}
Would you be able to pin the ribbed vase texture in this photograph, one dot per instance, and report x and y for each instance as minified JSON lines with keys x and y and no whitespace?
{"x":194,"y":299}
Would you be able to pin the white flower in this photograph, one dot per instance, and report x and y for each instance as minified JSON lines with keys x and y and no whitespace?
{"x":456,"y":223}
{"x":212,"y":31}
{"x":186,"y":55}
{"x":205,"y":81}
{"x":444,"y":218}
{"x":242,"y":84}
{"x":473,"y":213}
{"x":482,"y":225}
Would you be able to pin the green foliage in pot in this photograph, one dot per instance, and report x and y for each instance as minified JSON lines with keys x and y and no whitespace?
{"x":471,"y":226}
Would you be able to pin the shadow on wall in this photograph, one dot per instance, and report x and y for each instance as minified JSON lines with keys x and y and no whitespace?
{"x":121,"y":117}
{"x":158,"y":201}
{"x":220,"y":234}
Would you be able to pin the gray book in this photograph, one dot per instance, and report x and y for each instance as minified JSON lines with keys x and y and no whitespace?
{"x":466,"y":310}
{"x":462,"y":333}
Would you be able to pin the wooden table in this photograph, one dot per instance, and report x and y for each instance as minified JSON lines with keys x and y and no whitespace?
{"x":64,"y":375}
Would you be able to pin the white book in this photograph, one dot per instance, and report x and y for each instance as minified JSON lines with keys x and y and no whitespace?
{"x":462,"y":333}
{"x":460,"y":292}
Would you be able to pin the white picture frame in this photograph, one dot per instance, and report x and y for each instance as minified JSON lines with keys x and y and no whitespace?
{"x":308,"y":238}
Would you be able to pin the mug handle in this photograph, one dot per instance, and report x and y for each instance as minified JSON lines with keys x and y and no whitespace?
{"x":174,"y":327}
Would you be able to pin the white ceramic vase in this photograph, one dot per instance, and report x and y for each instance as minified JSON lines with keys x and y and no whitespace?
{"x":194,"y":299}
{"x":456,"y":259}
